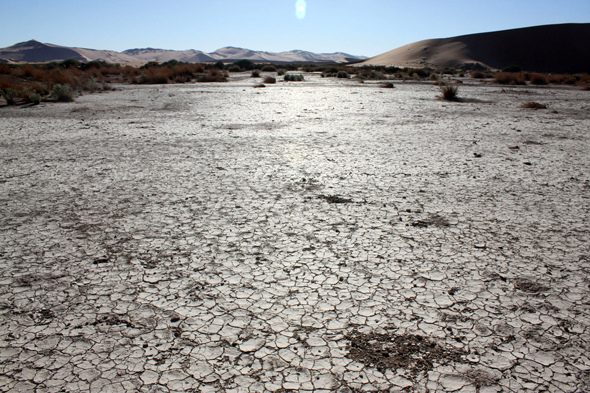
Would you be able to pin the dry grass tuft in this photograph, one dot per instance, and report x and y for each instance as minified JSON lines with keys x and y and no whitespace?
{"x":387,"y":85}
{"x":270,"y":79}
{"x":533,"y":105}
{"x":449,"y":92}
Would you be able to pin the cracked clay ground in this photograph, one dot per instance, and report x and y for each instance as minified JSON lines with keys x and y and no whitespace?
{"x":322,"y":236}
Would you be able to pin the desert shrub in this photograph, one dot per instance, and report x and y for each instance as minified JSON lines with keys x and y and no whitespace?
{"x":35,"y":98}
{"x":219,"y":65}
{"x":234,"y":68}
{"x":342,"y":75}
{"x":93,"y":85}
{"x":419,"y":72}
{"x":533,"y":105}
{"x":477,"y":75}
{"x":5,"y":69}
{"x":510,"y":78}
{"x":62,"y":93}
{"x":9,"y":95}
{"x":449,"y":92}
{"x":371,"y":74}
{"x":255,"y":74}
{"x":512,"y":68}
{"x":213,"y":75}
{"x":293,"y":78}
{"x":281,"y":72}
{"x":34,"y":72}
{"x":538,"y":79}
{"x":154,"y":76}
{"x":245,"y":64}
{"x":561,"y":79}
{"x":433,"y":77}
{"x":270,"y":79}
{"x":387,"y":85}
{"x":68,"y":63}
{"x":269,"y":68}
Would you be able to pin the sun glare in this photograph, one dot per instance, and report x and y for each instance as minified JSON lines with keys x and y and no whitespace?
{"x":300,"y":9}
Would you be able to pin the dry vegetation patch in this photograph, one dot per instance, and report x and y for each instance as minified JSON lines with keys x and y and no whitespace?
{"x":414,"y":353}
{"x":449,"y":92}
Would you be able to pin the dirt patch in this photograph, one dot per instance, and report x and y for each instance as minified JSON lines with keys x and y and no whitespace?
{"x":529,"y":286}
{"x":414,"y":353}
{"x":334,"y":199}
{"x":481,"y":378}
{"x":433,"y":220}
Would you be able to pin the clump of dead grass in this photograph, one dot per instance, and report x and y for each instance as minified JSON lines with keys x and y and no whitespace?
{"x":387,"y":85}
{"x":449,"y":92}
{"x":269,"y":79}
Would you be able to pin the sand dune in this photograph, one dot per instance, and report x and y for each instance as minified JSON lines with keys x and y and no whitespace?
{"x":563,"y":48}
{"x":38,"y":52}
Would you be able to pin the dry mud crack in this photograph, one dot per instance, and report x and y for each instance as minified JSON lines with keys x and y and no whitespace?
{"x":324,"y":236}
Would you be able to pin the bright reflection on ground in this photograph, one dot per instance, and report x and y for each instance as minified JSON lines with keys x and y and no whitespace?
{"x":300,"y":9}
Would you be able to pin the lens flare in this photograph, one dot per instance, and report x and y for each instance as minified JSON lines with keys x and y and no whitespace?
{"x":300,"y":9}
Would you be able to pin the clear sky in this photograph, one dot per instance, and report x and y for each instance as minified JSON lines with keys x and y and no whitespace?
{"x":358,"y":27}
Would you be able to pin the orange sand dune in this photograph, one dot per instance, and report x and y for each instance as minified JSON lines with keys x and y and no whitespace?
{"x":563,"y":48}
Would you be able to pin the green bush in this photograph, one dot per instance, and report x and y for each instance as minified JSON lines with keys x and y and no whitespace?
{"x":67,"y":63}
{"x":255,"y":74}
{"x":342,"y":75}
{"x":35,"y":98}
{"x":245,"y":64}
{"x":293,"y":78}
{"x":269,"y":68}
{"x":234,"y":68}
{"x":281,"y":72}
{"x":9,"y":95}
{"x":63,"y":93}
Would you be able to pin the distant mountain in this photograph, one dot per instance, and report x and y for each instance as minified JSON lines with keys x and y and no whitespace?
{"x":563,"y":48}
{"x":38,"y":52}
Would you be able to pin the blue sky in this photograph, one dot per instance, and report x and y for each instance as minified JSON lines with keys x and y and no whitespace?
{"x":358,"y":27}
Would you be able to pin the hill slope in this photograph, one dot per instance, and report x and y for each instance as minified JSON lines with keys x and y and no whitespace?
{"x":563,"y":48}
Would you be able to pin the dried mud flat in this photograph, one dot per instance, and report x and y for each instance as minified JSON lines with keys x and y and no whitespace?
{"x":322,"y":236}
